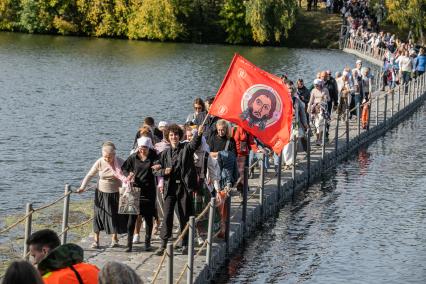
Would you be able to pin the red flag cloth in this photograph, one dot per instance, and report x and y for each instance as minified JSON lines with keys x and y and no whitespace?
{"x":257,"y":101}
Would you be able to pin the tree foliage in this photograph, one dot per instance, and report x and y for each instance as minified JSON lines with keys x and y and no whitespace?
{"x":270,"y":20}
{"x":408,"y":14}
{"x":233,"y":16}
{"x":155,"y":19}
{"x":233,"y":21}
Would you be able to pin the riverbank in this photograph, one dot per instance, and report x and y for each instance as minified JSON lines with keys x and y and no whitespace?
{"x":11,"y":246}
{"x":314,"y":29}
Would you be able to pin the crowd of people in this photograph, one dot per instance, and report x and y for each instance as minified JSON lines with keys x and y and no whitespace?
{"x":402,"y":61}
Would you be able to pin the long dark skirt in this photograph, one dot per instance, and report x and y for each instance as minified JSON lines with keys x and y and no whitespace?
{"x":106,"y":214}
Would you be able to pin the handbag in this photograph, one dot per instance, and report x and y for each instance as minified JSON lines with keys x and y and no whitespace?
{"x":128,"y":202}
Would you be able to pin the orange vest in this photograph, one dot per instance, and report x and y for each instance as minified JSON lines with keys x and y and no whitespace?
{"x":87,"y":272}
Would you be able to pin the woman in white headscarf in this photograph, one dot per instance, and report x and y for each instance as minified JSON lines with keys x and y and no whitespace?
{"x":106,"y":217}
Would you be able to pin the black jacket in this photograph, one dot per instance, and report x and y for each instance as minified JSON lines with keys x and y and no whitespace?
{"x":331,"y":85}
{"x":188,"y":174}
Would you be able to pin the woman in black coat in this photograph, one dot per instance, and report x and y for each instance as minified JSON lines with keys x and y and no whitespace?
{"x":139,"y":165}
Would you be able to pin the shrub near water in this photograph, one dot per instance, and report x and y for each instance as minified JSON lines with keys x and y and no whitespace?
{"x":11,"y":246}
{"x":233,"y":21}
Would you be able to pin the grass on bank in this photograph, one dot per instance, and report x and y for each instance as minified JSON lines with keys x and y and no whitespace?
{"x":11,"y":246}
{"x":315,"y":29}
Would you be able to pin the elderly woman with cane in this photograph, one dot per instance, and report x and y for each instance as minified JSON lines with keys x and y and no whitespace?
{"x":106,"y":196}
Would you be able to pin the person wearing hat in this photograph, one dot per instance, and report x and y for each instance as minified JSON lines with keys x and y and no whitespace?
{"x":317,"y":107}
{"x":139,"y":167}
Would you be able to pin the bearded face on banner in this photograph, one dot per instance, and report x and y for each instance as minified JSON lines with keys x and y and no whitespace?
{"x":259,"y":106}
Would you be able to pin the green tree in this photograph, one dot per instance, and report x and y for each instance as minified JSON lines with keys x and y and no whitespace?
{"x":203,"y":23}
{"x":9,"y":16}
{"x":233,"y":14}
{"x":408,"y":14}
{"x":270,"y":20}
{"x":67,"y":18}
{"x":155,"y":19}
{"x":36,"y":16}
{"x":104,"y":17}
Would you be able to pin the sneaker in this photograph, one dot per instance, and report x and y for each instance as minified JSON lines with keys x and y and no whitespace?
{"x":136,"y":239}
{"x":200,"y":241}
{"x":148,"y":246}
{"x":114,"y":244}
{"x":94,"y":245}
{"x":183,"y":250}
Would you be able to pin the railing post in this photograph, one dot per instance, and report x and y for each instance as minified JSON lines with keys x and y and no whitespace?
{"x":293,"y":170}
{"x":308,"y":157}
{"x":385,"y":110}
{"x":336,"y":137}
{"x":405,"y":93}
{"x":190,"y":270}
{"x":210,"y":232}
{"x":65,"y":214}
{"x":414,"y":89}
{"x":399,"y":97}
{"x":228,"y":223}
{"x":380,"y":79}
{"x":377,"y":109}
{"x":376,"y":81}
{"x":410,"y":89}
{"x":358,"y":115}
{"x":280,"y":161}
{"x":347,"y":128}
{"x":169,"y":279}
{"x":323,"y":142}
{"x":262,"y":180}
{"x":245,"y":192}
{"x":28,"y":222}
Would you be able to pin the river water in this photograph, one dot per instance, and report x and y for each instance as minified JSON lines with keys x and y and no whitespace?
{"x":364,"y":222}
{"x":61,"y":97}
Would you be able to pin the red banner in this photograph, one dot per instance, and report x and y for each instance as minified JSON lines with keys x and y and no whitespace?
{"x":257,"y":101}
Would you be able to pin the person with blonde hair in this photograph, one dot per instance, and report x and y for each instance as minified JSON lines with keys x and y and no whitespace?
{"x":106,"y":217}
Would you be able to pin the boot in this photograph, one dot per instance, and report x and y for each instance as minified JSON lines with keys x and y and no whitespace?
{"x":129,"y":243}
{"x":161,"y":249}
{"x":147,"y":244}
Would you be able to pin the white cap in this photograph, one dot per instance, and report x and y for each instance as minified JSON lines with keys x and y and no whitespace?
{"x":145,"y":142}
{"x":163,"y":124}
{"x":317,"y":82}
{"x":359,"y":61}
